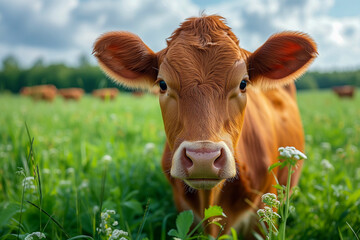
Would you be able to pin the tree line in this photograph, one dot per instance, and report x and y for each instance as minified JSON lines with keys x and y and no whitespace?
{"x":89,"y":77}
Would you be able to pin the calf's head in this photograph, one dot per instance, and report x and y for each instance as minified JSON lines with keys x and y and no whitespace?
{"x":203,"y":76}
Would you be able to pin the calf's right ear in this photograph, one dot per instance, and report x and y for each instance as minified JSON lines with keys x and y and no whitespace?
{"x":125,"y":58}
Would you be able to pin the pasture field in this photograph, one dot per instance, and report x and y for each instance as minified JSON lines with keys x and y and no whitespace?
{"x":93,"y":154}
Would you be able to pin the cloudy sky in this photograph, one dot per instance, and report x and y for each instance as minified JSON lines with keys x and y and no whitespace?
{"x":63,"y":30}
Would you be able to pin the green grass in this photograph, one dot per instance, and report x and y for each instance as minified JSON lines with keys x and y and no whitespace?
{"x":71,"y":139}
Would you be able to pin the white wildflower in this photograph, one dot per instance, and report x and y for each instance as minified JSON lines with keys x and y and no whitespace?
{"x":118,"y":233}
{"x":104,"y":216}
{"x":64,"y":182}
{"x":340,"y":150}
{"x":84,"y":184}
{"x":327,"y":165}
{"x":106,"y":158}
{"x":308,"y":138}
{"x":38,"y":235}
{"x":9,"y":147}
{"x":267,"y":214}
{"x":270,"y":213}
{"x":270,"y":200}
{"x":96,"y":209}
{"x":53,"y":151}
{"x":149,"y":147}
{"x":113,"y":116}
{"x":325,"y":145}
{"x":268,"y":197}
{"x":105,"y":224}
{"x":292,"y":209}
{"x":28,"y":183}
{"x":337,"y":190}
{"x":291,"y":152}
{"x":115,"y":223}
{"x":20,"y":171}
{"x":115,"y":234}
{"x":261,"y":213}
{"x":111,"y":211}
{"x":70,"y":170}
{"x":353,"y":148}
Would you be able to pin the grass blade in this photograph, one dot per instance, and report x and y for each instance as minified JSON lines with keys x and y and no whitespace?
{"x":36,"y":168}
{"x":102,"y":194}
{"x":340,"y":234}
{"x":147,"y":209}
{"x":53,"y":219}
{"x":163,"y":227}
{"x":39,"y":182}
{"x":80,"y":237}
{"x":31,"y":154}
{"x":21,"y":208}
{"x":40,"y":192}
{"x":23,"y":190}
{"x":352,"y":231}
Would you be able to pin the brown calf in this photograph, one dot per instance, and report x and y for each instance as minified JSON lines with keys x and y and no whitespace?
{"x":71,"y":93}
{"x":106,"y":93}
{"x":344,"y":91}
{"x":225,"y":110}
{"x":40,"y":92}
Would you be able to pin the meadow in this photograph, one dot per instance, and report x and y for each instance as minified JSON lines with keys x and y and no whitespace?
{"x":92,"y":156}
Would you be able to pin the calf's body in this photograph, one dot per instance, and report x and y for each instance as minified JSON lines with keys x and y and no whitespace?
{"x":271,"y":120}
{"x":226,"y":111}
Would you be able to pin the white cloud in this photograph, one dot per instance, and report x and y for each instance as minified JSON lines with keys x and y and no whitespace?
{"x":59,"y":12}
{"x":61,"y":30}
{"x":253,"y":21}
{"x":28,"y":55}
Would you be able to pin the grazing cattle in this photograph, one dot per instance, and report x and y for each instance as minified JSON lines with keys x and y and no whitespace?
{"x":225,"y":110}
{"x":106,"y":93}
{"x":344,"y":91}
{"x":137,"y":93}
{"x":71,"y":93}
{"x":40,"y":92}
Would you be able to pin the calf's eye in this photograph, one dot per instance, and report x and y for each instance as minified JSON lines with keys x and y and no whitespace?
{"x":162,"y":85}
{"x":243,"y":85}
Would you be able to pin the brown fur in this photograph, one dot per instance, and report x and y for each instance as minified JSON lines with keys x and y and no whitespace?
{"x":71,"y":93}
{"x":203,"y":66}
{"x":106,"y":93}
{"x":344,"y":91}
{"x":40,"y":92}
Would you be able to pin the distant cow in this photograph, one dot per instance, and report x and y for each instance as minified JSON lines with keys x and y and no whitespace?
{"x":40,"y":92}
{"x":137,"y":93}
{"x":225,"y":110}
{"x":71,"y":93}
{"x":106,"y":93}
{"x":344,"y":91}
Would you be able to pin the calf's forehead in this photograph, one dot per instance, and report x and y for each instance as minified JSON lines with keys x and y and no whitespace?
{"x":185,"y":64}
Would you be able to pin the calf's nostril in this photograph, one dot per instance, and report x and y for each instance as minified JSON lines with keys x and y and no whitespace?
{"x":220,"y":161}
{"x":186,"y":160}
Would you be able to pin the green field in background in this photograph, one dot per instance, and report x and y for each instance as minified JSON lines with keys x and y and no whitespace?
{"x":72,"y":138}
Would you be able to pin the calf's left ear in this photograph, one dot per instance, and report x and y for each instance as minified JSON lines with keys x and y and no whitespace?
{"x":281,"y":59}
{"x":124,"y":57}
